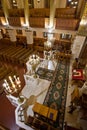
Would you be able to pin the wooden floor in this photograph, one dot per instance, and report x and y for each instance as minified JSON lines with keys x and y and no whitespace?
{"x":7,"y":110}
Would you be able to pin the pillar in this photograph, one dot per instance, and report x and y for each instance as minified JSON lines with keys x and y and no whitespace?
{"x":79,"y":7}
{"x":26,"y":12}
{"x":5,"y":9}
{"x":77,"y":45}
{"x":52,"y":13}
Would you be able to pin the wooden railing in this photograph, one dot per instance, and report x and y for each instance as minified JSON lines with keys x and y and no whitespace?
{"x":14,"y":21}
{"x":16,"y":12}
{"x":40,"y":12}
{"x":66,"y":11}
{"x":67,"y":24}
{"x":37,"y":22}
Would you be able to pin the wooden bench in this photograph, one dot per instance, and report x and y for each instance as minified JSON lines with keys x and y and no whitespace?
{"x":11,"y":53}
{"x":26,"y":55}
{"x":38,"y":124}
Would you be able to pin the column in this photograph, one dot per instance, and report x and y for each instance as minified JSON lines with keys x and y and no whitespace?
{"x":79,"y":7}
{"x":52,"y":13}
{"x":83,"y":23}
{"x":20,"y":3}
{"x":77,"y":45}
{"x":26,"y":12}
{"x":5,"y":9}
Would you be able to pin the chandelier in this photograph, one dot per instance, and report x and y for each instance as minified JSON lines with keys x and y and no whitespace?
{"x":12,"y":84}
{"x":34,"y":61}
{"x":47,"y":45}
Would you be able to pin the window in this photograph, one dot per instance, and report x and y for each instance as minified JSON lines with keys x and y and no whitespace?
{"x":65,"y":36}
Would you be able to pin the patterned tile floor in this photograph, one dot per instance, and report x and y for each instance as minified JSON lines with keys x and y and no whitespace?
{"x":56,"y":95}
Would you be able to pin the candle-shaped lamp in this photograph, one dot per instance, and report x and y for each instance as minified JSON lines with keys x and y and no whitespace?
{"x":10,"y":78}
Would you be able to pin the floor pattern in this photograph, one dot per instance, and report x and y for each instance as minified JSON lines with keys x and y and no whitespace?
{"x":56,"y":96}
{"x":45,"y":73}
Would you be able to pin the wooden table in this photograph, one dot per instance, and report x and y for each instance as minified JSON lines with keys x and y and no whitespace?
{"x":37,"y":107}
{"x":45,"y":111}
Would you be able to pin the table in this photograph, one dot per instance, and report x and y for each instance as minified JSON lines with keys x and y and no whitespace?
{"x":45,"y":111}
{"x":77,"y":74}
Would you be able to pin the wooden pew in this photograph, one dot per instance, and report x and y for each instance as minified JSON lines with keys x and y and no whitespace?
{"x":12,"y":52}
{"x":24,"y":60}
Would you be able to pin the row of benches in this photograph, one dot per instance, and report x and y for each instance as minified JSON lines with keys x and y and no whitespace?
{"x":38,"y":124}
{"x":15,"y":54}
